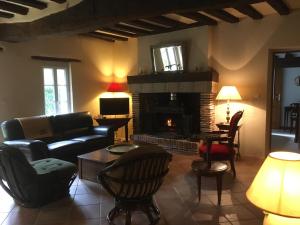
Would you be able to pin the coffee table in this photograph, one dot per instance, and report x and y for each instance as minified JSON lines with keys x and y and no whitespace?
{"x":90,"y":164}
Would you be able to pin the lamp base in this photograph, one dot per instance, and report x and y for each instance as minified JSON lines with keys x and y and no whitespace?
{"x":272,"y":219}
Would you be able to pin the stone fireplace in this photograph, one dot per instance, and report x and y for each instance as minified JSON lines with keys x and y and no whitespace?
{"x":169,"y":108}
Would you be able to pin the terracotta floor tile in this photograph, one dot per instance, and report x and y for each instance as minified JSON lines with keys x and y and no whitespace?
{"x":177,"y":200}
{"x":85,"y":212}
{"x":86,"y":199}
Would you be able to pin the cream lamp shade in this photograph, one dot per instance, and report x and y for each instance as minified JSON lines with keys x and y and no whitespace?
{"x":229,"y":93}
{"x":276,"y":187}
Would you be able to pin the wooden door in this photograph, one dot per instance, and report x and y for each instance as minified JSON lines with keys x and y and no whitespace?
{"x":277,"y":97}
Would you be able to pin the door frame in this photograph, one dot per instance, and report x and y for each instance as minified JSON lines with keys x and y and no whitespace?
{"x":270,"y":81}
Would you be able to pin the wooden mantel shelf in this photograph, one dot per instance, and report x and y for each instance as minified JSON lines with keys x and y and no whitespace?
{"x":174,"y":77}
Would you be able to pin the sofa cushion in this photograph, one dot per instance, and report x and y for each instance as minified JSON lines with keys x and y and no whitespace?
{"x":62,"y":149}
{"x":93,"y":141}
{"x":36,"y":127}
{"x":67,"y":123}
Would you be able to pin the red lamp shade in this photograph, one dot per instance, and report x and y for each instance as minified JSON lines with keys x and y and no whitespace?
{"x":115,"y":87}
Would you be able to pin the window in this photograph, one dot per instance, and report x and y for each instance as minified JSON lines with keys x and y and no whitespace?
{"x":57,"y":90}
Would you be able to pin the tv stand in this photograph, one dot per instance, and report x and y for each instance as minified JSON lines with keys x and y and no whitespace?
{"x":116,"y":123}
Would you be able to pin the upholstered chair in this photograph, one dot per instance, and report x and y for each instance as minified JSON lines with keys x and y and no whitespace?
{"x":36,"y":183}
{"x":221,"y":148}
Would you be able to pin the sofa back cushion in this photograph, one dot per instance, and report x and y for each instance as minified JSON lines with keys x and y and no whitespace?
{"x":36,"y":127}
{"x":72,"y":124}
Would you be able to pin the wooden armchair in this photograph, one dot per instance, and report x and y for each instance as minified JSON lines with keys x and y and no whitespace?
{"x":223,"y":150}
{"x":133,"y":179}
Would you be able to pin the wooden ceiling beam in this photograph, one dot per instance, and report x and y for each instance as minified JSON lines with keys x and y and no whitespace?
{"x":59,"y":1}
{"x":248,"y":10}
{"x":31,"y":3}
{"x":6,"y":15}
{"x":13,"y":8}
{"x":181,"y":27}
{"x":143,"y":24}
{"x":165,"y":21}
{"x":279,"y":6}
{"x":117,"y":32}
{"x":199,"y":17}
{"x":135,"y":30}
{"x":88,"y":15}
{"x":223,"y":15}
{"x":98,"y":37}
{"x":111,"y":36}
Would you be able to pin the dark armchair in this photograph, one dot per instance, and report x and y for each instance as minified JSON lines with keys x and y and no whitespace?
{"x":36,"y":183}
{"x":133,"y":179}
{"x":223,"y":150}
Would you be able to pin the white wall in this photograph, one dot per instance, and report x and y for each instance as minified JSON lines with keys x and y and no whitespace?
{"x":21,"y":81}
{"x":197,"y":40}
{"x":240,"y":55}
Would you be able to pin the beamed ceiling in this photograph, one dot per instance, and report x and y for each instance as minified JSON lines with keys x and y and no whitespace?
{"x":112,"y":20}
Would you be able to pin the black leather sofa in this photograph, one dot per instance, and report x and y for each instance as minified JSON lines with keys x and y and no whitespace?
{"x":70,"y":135}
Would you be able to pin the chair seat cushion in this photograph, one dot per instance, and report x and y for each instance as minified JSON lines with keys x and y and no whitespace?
{"x":49,"y":165}
{"x":63,"y":149}
{"x":93,"y":141}
{"x":216,"y":149}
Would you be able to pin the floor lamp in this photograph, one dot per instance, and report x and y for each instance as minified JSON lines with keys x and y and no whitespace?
{"x":275,"y":189}
{"x":228,"y":93}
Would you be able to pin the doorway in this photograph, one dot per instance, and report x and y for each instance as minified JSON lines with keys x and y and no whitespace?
{"x":285,"y":101}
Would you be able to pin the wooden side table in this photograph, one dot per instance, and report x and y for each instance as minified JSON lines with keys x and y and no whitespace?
{"x":225,"y":127}
{"x":217,"y":170}
{"x":115,"y":122}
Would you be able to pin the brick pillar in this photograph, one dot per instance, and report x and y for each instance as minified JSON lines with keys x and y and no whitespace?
{"x":136,"y":112}
{"x":207,"y":112}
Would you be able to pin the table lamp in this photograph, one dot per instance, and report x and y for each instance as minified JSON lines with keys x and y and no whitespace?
{"x":276,"y":189}
{"x":228,"y":93}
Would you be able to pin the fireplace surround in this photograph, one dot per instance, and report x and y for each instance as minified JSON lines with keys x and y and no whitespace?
{"x":176,"y":102}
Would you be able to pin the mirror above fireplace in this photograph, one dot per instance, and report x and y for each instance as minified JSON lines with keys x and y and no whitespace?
{"x":168,"y":58}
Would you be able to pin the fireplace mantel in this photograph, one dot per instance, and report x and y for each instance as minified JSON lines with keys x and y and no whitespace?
{"x":201,"y":82}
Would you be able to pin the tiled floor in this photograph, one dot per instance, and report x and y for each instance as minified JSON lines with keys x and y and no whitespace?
{"x":177,"y":200}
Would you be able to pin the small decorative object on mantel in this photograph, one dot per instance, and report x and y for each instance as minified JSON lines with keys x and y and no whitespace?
{"x":297,"y":80}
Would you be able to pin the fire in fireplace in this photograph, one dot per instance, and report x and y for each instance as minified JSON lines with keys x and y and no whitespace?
{"x":177,"y":113}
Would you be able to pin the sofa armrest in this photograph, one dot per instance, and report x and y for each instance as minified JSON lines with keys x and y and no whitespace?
{"x":104,"y":130}
{"x":33,"y":149}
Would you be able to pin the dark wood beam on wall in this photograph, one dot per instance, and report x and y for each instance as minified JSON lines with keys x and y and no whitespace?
{"x":248,"y":10}
{"x":279,"y":6}
{"x":56,"y":59}
{"x":13,"y":8}
{"x":223,"y":15}
{"x":199,"y":17}
{"x":104,"y":35}
{"x":88,"y":15}
{"x":6,"y":15}
{"x":31,"y":3}
{"x":59,"y":1}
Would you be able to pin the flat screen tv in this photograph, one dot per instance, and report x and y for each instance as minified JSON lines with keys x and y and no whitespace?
{"x":114,"y":106}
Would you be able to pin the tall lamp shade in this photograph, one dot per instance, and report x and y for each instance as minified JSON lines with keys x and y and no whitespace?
{"x":276,"y":189}
{"x":228,"y":93}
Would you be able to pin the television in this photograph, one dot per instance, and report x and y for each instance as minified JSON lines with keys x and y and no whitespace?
{"x":114,"y":106}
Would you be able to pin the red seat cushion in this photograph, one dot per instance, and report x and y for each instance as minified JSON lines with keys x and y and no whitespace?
{"x":219,"y":149}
